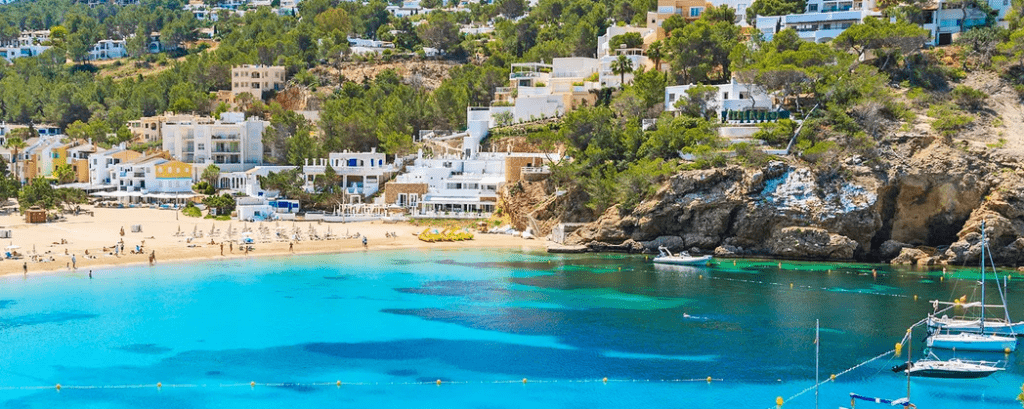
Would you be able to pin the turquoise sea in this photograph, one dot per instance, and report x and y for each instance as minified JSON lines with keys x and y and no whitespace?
{"x":389,"y":324}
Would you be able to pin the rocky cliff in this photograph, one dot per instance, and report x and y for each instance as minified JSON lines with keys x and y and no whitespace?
{"x":921,"y":202}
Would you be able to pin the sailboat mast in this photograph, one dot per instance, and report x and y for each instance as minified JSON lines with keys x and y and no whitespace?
{"x":910,"y":347}
{"x":983,"y":246}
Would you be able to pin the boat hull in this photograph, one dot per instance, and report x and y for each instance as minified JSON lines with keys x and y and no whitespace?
{"x":950,"y":374}
{"x":683,"y":261}
{"x":974,"y":326}
{"x":965,"y":343}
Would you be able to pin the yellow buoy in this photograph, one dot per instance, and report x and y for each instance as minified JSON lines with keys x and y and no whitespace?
{"x":338,"y":383}
{"x":1007,"y":351}
{"x":734,"y":262}
{"x":915,"y":297}
{"x":899,"y":348}
{"x":58,"y":386}
{"x":790,"y":285}
{"x":605,"y":380}
{"x":524,"y":380}
{"x":700,"y":276}
{"x":159,"y":385}
{"x":780,"y":264}
{"x":941,"y":278}
{"x":832,"y":378}
{"x":252,"y":384}
{"x":438,"y":382}
{"x":709,"y":379}
{"x":778,"y":401}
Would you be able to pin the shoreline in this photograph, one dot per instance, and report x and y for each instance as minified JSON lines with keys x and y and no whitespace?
{"x":167,"y":233}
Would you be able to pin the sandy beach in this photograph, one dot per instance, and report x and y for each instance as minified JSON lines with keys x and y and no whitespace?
{"x":173,"y":237}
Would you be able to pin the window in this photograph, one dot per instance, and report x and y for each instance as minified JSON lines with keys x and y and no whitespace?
{"x":695,"y":11}
{"x":672,"y":97}
{"x":725,"y":95}
{"x":811,"y":8}
{"x":202,"y":146}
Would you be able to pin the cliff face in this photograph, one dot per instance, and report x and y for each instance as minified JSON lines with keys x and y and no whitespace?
{"x":926,"y":201}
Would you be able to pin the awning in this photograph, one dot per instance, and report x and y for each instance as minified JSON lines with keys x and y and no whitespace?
{"x":118,"y":193}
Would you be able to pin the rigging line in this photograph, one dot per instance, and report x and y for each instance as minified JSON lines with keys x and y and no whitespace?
{"x":810,"y":388}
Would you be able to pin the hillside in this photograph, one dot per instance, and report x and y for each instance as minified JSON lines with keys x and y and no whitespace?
{"x":920,"y":201}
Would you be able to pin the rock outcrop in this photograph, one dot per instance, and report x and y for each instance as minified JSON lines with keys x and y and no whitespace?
{"x":894,"y":209}
{"x":810,"y":242}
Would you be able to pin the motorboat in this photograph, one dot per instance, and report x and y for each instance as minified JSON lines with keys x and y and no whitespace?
{"x":904,"y":402}
{"x":969,"y":341}
{"x":683,"y":258}
{"x":932,"y":367}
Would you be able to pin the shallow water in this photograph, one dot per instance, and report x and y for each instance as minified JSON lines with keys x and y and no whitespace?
{"x":388,"y":324}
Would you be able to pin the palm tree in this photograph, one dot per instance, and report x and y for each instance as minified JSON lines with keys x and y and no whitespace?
{"x":621,"y":66}
{"x":15,"y":143}
{"x":655,"y":52}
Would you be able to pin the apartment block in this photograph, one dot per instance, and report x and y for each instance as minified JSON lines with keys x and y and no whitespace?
{"x":233,"y":143}
{"x":822,"y":21}
{"x":256,"y":79}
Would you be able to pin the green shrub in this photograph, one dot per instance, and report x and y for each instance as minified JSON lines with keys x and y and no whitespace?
{"x":750,"y":155}
{"x":819,"y":151}
{"x":776,"y":133}
{"x":968,"y":97}
{"x":191,"y":210}
{"x":948,"y":119}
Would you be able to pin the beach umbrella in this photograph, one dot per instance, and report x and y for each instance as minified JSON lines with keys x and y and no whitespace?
{"x":13,"y":246}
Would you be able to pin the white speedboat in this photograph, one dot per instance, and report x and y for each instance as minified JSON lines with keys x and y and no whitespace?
{"x":683,"y":259}
{"x":967,"y":341}
{"x":932,"y":367}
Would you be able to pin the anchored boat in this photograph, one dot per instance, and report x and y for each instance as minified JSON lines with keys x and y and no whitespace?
{"x":933,"y":367}
{"x":981,"y":339}
{"x":682,"y":259}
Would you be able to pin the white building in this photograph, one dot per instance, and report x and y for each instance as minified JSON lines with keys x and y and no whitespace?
{"x":458,"y":186}
{"x":248,"y":182}
{"x":28,"y":44}
{"x":608,"y":53}
{"x":943,"y":18}
{"x":731,"y":97}
{"x":408,"y":8}
{"x":362,"y":173}
{"x":365,"y":46}
{"x":822,"y":21}
{"x":233,"y":143}
{"x":107,"y":50}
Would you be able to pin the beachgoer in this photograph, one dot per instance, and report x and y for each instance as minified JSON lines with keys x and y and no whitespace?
{"x":74,"y":262}
{"x":291,"y":246}
{"x":25,"y":267}
{"x":153,"y":256}
{"x":231,"y":247}
{"x":364,"y":241}
{"x":222,"y":248}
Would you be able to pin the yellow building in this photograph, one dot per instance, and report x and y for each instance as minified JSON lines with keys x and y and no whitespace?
{"x":688,"y":9}
{"x":174,"y":170}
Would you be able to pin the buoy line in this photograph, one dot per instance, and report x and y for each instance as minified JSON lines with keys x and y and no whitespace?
{"x":805,"y":287}
{"x":833,"y":377}
{"x":338,"y":383}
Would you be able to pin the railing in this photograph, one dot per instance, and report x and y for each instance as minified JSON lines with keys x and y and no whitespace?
{"x":526,"y":75}
{"x":450,"y":215}
{"x":503,"y":90}
{"x":536,"y":169}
